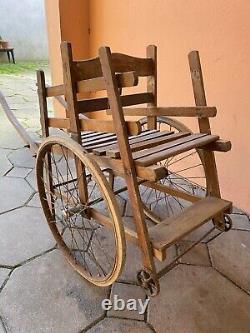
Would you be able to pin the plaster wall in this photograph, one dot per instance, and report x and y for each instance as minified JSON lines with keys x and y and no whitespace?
{"x":220,"y":31}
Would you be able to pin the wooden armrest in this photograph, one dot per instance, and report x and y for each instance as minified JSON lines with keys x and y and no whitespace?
{"x":127,"y":79}
{"x":181,"y":111}
{"x":107,"y":126}
{"x":219,"y":145}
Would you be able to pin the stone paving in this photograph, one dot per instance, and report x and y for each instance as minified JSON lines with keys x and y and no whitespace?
{"x":208,"y":291}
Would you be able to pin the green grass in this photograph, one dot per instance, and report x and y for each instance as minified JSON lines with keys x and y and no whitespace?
{"x":22,"y":67}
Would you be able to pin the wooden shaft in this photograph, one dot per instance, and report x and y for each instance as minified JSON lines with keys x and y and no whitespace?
{"x":172,"y":191}
{"x":29,"y":141}
{"x":204,"y":125}
{"x":126,"y":155}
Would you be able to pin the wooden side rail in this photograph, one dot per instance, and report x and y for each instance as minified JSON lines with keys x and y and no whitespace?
{"x":151,"y":173}
{"x":128,"y":79}
{"x":107,"y":126}
{"x":181,"y":111}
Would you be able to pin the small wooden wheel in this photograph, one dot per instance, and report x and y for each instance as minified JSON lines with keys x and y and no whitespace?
{"x":224,"y":225}
{"x":228,"y":222}
{"x":81,"y":210}
{"x":147,"y":281}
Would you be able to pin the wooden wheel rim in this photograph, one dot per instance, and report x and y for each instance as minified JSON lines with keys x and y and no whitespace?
{"x":109,"y":200}
{"x":180,"y":127}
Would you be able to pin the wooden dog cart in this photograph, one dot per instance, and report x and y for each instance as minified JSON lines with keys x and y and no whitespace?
{"x":167,"y":173}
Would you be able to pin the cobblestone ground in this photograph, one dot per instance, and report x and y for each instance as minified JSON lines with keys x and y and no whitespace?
{"x":208,"y":291}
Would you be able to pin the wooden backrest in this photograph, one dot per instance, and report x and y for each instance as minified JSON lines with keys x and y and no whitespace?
{"x":88,"y":73}
{"x":87,"y":76}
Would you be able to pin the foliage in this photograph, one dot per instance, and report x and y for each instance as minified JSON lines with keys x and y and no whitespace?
{"x":22,"y":67}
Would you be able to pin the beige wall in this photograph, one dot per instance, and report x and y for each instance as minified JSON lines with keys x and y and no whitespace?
{"x":218,"y":29}
{"x":54,"y":37}
{"x":66,"y":21}
{"x":75,"y":26}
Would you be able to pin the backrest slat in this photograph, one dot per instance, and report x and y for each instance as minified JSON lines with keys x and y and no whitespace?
{"x":124,"y":63}
{"x":87,"y":69}
{"x":121,"y":63}
{"x":97,"y":104}
{"x":129,"y":79}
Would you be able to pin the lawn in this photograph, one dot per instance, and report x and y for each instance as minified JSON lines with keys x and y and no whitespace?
{"x":22,"y":67}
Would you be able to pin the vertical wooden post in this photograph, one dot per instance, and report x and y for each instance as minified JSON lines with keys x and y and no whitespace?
{"x":41,"y":90}
{"x":204,"y":125}
{"x":126,"y":157}
{"x":152,"y":85}
{"x":70,"y":85}
{"x":42,"y":96}
{"x":70,"y":91}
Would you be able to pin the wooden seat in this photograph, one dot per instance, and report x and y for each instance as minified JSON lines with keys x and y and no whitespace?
{"x":177,"y":146}
{"x":149,"y":147}
{"x":104,"y":144}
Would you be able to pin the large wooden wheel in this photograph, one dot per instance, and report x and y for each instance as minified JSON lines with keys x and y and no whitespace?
{"x":186,"y":176}
{"x":81,"y":210}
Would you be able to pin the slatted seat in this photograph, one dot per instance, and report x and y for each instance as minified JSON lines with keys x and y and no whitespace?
{"x":161,"y":152}
{"x":149,"y":147}
{"x":144,"y":136}
{"x":103,"y":143}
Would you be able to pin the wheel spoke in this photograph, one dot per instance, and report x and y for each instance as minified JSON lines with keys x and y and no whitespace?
{"x":185,"y":173}
{"x":89,"y":245}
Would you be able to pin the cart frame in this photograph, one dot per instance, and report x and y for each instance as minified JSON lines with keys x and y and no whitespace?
{"x":111,"y":72}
